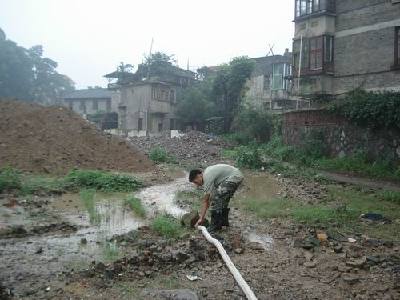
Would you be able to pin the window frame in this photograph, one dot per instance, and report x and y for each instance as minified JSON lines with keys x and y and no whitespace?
{"x":140,"y":124}
{"x":316,"y":53}
{"x":397,"y":47}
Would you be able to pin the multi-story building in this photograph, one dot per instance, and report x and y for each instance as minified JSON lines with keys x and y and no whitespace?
{"x":341,"y":45}
{"x":270,"y":84}
{"x":147,"y":106}
{"x":90,"y":101}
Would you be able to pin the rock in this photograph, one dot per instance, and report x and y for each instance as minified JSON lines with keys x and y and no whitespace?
{"x":39,"y":250}
{"x":83,"y":241}
{"x":373,"y":260}
{"x":255,"y":246}
{"x":238,"y":250}
{"x":169,"y":294}
{"x":357,"y":263}
{"x":189,"y":220}
{"x":310,"y":264}
{"x":179,"y":256}
{"x":351,"y":279}
{"x":338,"y":248}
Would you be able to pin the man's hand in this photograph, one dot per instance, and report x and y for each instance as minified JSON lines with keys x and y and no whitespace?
{"x":199,"y":222}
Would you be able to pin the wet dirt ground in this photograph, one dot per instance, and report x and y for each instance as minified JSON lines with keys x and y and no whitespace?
{"x":49,"y":249}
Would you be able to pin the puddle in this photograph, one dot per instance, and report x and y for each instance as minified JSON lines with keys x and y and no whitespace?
{"x":161,"y":198}
{"x":263,"y":239}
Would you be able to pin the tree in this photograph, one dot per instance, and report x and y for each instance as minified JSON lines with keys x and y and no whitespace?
{"x":25,"y":74}
{"x":157,"y":64}
{"x":229,"y":87}
{"x":194,"y":105}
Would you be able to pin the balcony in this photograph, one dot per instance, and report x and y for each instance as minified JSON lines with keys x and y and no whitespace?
{"x":309,"y":8}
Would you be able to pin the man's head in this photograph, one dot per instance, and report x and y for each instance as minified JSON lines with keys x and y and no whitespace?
{"x":196,"y":176}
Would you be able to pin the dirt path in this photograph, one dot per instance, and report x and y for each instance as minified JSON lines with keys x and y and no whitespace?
{"x":370,"y":183}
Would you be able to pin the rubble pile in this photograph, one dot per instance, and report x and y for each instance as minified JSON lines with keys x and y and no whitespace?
{"x":192,"y":149}
{"x":55,"y":140}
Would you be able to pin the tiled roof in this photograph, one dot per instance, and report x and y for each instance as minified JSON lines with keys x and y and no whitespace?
{"x":89,"y":94}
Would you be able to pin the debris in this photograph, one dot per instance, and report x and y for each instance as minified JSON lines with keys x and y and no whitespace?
{"x":374,"y":217}
{"x":322,"y":237}
{"x":357,"y":263}
{"x":193,"y":277}
{"x":169,"y":294}
{"x":351,"y":240}
{"x":238,"y":250}
{"x":47,"y":289}
{"x":310,"y":264}
{"x":338,"y":248}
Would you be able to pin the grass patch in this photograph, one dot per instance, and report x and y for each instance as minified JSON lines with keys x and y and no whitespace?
{"x":34,"y":184}
{"x":87,"y":198}
{"x":102,"y":181}
{"x":359,"y":164}
{"x":265,"y":209}
{"x":10,"y":179}
{"x":160,"y":155}
{"x":167,"y":226}
{"x":110,"y":251}
{"x":324,"y":215}
{"x":390,"y":196}
{"x":136,"y":205}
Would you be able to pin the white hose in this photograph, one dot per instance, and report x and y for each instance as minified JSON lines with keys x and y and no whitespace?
{"x":238,"y":277}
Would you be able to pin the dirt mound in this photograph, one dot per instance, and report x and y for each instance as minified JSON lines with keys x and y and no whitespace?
{"x":55,"y":140}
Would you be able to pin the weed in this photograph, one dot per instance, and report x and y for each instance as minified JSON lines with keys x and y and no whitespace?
{"x":273,"y":208}
{"x":136,"y":205}
{"x":87,"y":197}
{"x":39,"y":184}
{"x":110,"y":251}
{"x":390,"y":196}
{"x":167,"y":226}
{"x":10,"y":179}
{"x":249,"y":157}
{"x":160,"y":155}
{"x":319,"y":214}
{"x":103,"y":181}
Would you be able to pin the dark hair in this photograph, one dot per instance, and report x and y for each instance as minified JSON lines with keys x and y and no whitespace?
{"x":193,"y":174}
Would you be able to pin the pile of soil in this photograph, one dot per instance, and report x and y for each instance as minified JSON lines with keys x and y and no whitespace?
{"x":55,"y":140}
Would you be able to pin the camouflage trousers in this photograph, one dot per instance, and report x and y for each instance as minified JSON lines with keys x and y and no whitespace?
{"x":222,"y":194}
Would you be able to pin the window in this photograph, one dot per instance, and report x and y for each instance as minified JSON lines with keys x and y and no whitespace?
{"x":160,"y":127}
{"x":108,"y":105}
{"x":82,"y":107}
{"x":172,"y":124}
{"x":95,"y":105}
{"x":280,"y":74}
{"x":308,"y":7}
{"x":153,"y":93}
{"x":172,"y":96}
{"x":316,"y":53}
{"x":140,"y":124}
{"x":397,"y":46}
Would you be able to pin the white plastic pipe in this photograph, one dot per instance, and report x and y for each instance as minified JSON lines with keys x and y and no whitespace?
{"x":238,"y":277}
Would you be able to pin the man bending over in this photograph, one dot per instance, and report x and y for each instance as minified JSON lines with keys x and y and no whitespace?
{"x":219,"y":183}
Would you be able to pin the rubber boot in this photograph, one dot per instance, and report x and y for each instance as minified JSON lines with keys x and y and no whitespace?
{"x":225,"y":216}
{"x":216,"y":221}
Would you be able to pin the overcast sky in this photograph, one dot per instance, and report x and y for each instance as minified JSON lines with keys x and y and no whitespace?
{"x":88,"y":38}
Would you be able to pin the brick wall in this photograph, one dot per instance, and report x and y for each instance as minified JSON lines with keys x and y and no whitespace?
{"x":340,"y":137}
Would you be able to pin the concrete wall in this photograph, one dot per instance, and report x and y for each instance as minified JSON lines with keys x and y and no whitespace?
{"x":76,"y":105}
{"x":340,"y":137}
{"x":137,"y":102}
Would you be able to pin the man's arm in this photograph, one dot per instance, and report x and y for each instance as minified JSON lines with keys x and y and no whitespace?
{"x":206,"y":205}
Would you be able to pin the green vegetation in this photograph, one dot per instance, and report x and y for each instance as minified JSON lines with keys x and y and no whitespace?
{"x":110,"y":251}
{"x":380,"y":110}
{"x":10,"y":179}
{"x":37,"y":184}
{"x":102,"y":181}
{"x":339,"y":211}
{"x":360,"y":164}
{"x":167,"y":226}
{"x":27,"y":75}
{"x":136,"y":205}
{"x":390,"y":196}
{"x":87,"y":197}
{"x":160,"y":155}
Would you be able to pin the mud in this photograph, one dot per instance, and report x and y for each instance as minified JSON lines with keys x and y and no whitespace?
{"x":110,"y":259}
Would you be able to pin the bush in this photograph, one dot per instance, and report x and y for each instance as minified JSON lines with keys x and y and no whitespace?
{"x":249,"y":157}
{"x":10,"y":179}
{"x":252,"y":125}
{"x":167,"y":226}
{"x":103,"y":181}
{"x":390,"y":196}
{"x":136,"y":205}
{"x":87,"y":197}
{"x":160,"y":155}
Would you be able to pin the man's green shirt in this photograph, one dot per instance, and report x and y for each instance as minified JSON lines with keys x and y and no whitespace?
{"x":213,"y":176}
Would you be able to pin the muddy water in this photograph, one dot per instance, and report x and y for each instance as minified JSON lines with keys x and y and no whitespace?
{"x":39,"y":258}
